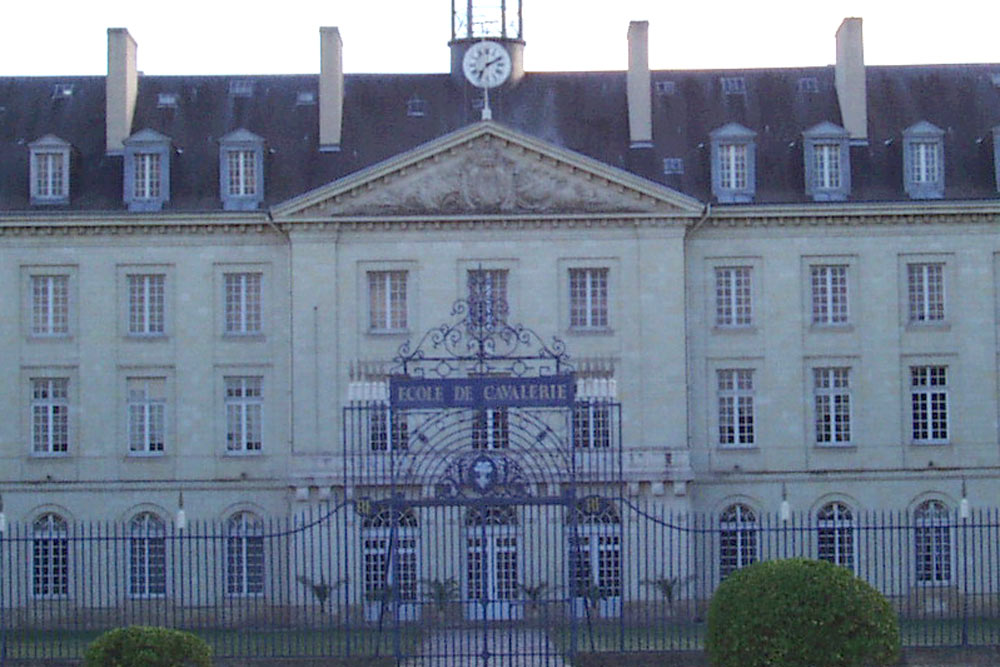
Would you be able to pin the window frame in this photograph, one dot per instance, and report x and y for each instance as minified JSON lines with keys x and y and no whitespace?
{"x":726,"y":141}
{"x":498,"y":307}
{"x":827,"y":417}
{"x":147,"y":556}
{"x":243,"y":317}
{"x":148,"y":407}
{"x":56,"y":323}
{"x":837,"y":527}
{"x":146,"y":315}
{"x":57,"y":414}
{"x":245,"y":412}
{"x":594,"y":313}
{"x":738,"y":521}
{"x":924,"y":419}
{"x":730,"y":314}
{"x":917,"y":139}
{"x":935,"y":558}
{"x":833,"y":141}
{"x":139,"y":152}
{"x":825,"y":308}
{"x":921,"y":301}
{"x":57,"y":151}
{"x":245,"y":554}
{"x":50,"y":546}
{"x":392,"y":313}
{"x":251,"y":147}
{"x":735,"y":409}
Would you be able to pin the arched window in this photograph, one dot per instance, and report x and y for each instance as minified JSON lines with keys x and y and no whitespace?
{"x":932,"y":542}
{"x":737,"y":538}
{"x":389,"y":540}
{"x":835,"y":534}
{"x":244,"y":555}
{"x":147,"y":556}
{"x":50,"y":557}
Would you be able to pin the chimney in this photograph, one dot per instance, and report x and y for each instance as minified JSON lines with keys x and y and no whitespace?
{"x":850,"y":80}
{"x":640,"y":112}
{"x":331,"y":89}
{"x":120,"y":89}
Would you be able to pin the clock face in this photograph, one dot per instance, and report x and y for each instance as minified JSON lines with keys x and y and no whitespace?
{"x":486,"y":64}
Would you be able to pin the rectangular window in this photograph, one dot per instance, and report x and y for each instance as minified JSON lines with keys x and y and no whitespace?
{"x":244,"y":413}
{"x":591,"y":424}
{"x":929,"y":401}
{"x":146,"y":304}
{"x":50,"y":305}
{"x":829,"y":294}
{"x":736,"y":412}
{"x":487,"y":297}
{"x":491,"y":429}
{"x":242,"y":173}
{"x":147,"y":414}
{"x":588,"y":298}
{"x":925,"y":285}
{"x":387,"y":300}
{"x":733,"y":166}
{"x":50,"y":415}
{"x":243,"y":303}
{"x":924,"y":167}
{"x":50,"y":175}
{"x":733,"y":307}
{"x":826,"y":166}
{"x":388,"y":429}
{"x":147,"y":176}
{"x":832,"y":405}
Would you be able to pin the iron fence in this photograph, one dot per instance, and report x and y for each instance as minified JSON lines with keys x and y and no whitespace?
{"x":408,"y":580}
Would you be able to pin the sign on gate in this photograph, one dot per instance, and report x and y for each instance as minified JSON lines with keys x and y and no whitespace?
{"x":483,"y":392}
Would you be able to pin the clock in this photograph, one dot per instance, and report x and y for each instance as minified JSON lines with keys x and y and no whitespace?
{"x":486,"y":64}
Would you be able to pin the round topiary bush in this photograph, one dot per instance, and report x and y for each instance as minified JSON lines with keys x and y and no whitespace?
{"x":800,"y":613}
{"x":140,"y":646}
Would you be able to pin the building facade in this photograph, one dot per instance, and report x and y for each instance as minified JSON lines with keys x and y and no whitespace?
{"x":786,"y":280}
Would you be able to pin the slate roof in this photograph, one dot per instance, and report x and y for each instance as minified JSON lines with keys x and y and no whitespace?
{"x":581,"y":111}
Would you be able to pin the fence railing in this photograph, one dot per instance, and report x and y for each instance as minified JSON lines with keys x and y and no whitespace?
{"x":352,"y":580}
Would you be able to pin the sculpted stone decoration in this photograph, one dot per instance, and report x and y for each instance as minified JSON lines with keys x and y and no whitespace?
{"x":486,"y":177}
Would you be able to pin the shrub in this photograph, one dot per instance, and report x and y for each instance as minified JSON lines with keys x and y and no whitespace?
{"x":799,"y":613}
{"x":140,"y":646}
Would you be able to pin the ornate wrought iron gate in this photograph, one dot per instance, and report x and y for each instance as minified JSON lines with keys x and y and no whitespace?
{"x":483,"y":472}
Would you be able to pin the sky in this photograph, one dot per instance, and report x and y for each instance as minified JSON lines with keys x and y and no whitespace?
{"x":69,"y":37}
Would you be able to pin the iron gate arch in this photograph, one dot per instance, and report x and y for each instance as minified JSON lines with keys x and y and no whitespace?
{"x":499,"y":548}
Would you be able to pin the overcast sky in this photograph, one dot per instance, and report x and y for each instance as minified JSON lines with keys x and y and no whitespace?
{"x":68,"y":37}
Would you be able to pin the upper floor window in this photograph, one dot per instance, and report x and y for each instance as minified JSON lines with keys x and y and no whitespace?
{"x":49,"y":170}
{"x":241,"y":172}
{"x":588,"y":298}
{"x":243,"y":303}
{"x":733,"y":163}
{"x":387,"y":300}
{"x":147,"y":171}
{"x":996,"y":155}
{"x":925,"y":292}
{"x":827,"y":162}
{"x":487,"y":297}
{"x":50,"y":305}
{"x":923,"y":161}
{"x":832,"y":405}
{"x":829,"y":294}
{"x":146,"y":304}
{"x":733,"y":297}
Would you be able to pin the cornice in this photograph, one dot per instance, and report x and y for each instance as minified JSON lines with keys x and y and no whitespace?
{"x":851,"y":214}
{"x":117,"y":223}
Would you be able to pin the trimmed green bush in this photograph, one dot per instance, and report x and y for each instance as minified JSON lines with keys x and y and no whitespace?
{"x":141,"y":646}
{"x":800,"y":613}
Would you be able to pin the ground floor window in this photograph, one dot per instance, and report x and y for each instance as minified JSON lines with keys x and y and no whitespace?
{"x":244,"y":555}
{"x":835,"y":534}
{"x":50,"y":557}
{"x":737,"y":538}
{"x":389,"y":556}
{"x":147,"y":556}
{"x":932,"y":542}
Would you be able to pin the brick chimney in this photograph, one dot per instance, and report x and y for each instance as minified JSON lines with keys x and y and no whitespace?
{"x":640,"y":112}
{"x":849,"y":73}
{"x":331,"y":89}
{"x":120,"y":89}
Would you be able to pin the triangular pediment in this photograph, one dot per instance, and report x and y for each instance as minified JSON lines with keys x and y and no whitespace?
{"x":488,"y":169}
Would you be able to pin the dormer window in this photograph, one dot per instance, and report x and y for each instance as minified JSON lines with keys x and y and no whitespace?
{"x":49,"y":170}
{"x":733,"y":163}
{"x":241,"y":173}
{"x":147,"y":171}
{"x":827,"y":162}
{"x":923,"y":161}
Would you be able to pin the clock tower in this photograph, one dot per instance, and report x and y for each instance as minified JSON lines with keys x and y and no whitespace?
{"x":498,"y":21}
